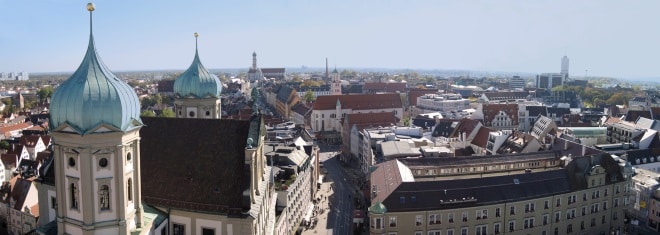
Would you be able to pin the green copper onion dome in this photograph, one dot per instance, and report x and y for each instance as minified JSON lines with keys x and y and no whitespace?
{"x":93,"y":96}
{"x":197,"y":81}
{"x":378,"y":208}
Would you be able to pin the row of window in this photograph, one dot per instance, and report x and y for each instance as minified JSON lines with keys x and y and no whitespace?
{"x":482,"y":214}
{"x":528,"y":223}
{"x":180,"y":229}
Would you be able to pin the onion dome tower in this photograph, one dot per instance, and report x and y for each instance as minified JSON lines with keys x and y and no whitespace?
{"x":95,"y":120}
{"x":197,"y":92}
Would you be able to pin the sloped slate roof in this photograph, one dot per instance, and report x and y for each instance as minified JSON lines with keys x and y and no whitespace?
{"x":195,"y":164}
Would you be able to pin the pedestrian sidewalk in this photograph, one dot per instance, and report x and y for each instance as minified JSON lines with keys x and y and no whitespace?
{"x":323,"y":195}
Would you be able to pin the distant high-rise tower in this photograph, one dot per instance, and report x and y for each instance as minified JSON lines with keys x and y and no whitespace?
{"x":564,"y":66}
{"x":336,"y":83}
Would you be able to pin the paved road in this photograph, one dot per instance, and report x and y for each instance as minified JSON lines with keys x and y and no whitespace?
{"x":341,"y":203}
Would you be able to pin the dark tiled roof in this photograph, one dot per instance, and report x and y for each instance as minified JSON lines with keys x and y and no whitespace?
{"x":423,"y":122}
{"x":353,"y":89}
{"x":633,"y":115}
{"x":459,"y":193}
{"x":464,"y":126}
{"x":638,"y":154}
{"x":47,"y":170}
{"x":655,"y":112}
{"x":166,"y":86}
{"x":384,"y":87}
{"x":445,"y":127}
{"x":272,"y":70}
{"x":301,"y":109}
{"x":195,"y":164}
{"x":358,"y":102}
{"x":19,"y":192}
{"x":284,"y":93}
{"x":559,"y":112}
{"x":581,"y":165}
{"x":535,"y":111}
{"x":400,"y":196}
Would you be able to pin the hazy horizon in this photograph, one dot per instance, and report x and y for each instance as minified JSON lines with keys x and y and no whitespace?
{"x":601,"y":38}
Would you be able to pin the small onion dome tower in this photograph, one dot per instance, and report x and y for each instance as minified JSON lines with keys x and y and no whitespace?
{"x":96,"y":146}
{"x":197,"y":92}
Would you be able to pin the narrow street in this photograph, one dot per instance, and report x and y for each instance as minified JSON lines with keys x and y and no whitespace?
{"x":338,"y":188}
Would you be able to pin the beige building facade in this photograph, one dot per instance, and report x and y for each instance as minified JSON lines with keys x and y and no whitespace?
{"x":578,"y":197}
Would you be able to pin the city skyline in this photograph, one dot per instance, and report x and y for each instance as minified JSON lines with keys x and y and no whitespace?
{"x":601,"y":38}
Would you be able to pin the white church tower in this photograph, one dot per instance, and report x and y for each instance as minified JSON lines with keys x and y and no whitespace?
{"x":95,"y":118}
{"x":197,"y":92}
{"x":335,"y":83}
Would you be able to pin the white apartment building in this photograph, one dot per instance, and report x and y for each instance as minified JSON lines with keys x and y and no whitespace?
{"x":442,"y":102}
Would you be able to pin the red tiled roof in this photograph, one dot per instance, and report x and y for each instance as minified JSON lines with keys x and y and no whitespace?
{"x":19,"y":126}
{"x":465,"y":125}
{"x":655,"y":112}
{"x":45,"y":139}
{"x":613,"y":120}
{"x":384,"y":87}
{"x":29,"y":140}
{"x":359,"y":102}
{"x":15,"y":149}
{"x":8,"y":159}
{"x":364,"y":120}
{"x":482,"y":137}
{"x":42,"y":156}
{"x":492,"y":110}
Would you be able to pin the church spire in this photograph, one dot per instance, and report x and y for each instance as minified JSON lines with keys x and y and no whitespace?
{"x":254,"y":60}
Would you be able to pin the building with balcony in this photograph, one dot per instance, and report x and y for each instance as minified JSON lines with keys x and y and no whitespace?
{"x":645,"y":183}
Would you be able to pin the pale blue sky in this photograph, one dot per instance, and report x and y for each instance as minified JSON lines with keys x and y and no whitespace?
{"x":609,"y":38}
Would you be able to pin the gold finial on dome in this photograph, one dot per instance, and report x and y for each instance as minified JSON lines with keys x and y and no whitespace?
{"x":90,"y":6}
{"x":196,"y":34}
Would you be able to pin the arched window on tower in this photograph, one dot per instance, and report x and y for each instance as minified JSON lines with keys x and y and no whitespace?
{"x":129,"y":186}
{"x":104,"y":197}
{"x":74,"y":196}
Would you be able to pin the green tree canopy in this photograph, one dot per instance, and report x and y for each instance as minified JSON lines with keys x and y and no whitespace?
{"x":167,"y":113}
{"x":4,"y":145}
{"x":309,"y":96}
{"x":45,"y":92}
{"x":147,"y":113}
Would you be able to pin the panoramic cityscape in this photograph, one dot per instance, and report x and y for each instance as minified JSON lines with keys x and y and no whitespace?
{"x":394,"y":118}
